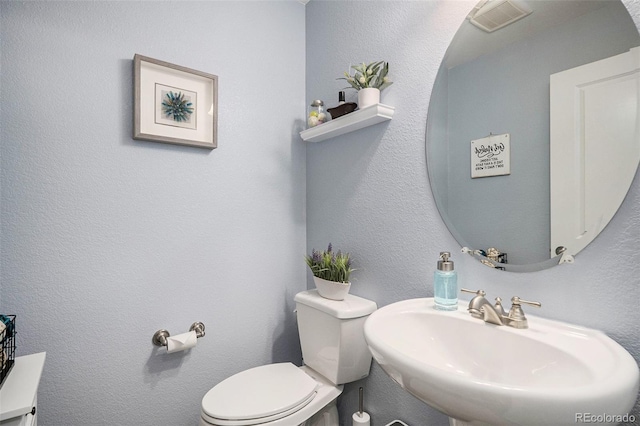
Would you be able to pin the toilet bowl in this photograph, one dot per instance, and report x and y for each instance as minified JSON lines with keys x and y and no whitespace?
{"x":274,"y":395}
{"x":282,"y":394}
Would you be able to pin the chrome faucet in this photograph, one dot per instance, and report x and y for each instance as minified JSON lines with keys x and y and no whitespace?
{"x":481,"y":308}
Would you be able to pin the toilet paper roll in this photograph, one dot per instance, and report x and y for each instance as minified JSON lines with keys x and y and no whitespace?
{"x":181,"y":342}
{"x":365,"y":420}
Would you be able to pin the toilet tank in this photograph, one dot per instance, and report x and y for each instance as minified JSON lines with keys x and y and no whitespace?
{"x":332,"y":335}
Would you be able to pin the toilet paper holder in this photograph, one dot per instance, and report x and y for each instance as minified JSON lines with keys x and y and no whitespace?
{"x":160,"y":337}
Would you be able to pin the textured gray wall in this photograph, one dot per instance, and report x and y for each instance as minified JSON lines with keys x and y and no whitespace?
{"x":106,"y":239}
{"x":368,"y":193}
{"x":100,"y":232}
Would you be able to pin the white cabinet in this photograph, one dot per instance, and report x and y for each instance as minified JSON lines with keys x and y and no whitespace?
{"x":25,"y":420}
{"x":19,"y":393}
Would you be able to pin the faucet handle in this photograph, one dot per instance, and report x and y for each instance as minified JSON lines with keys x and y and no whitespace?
{"x":515,"y":300}
{"x":516,"y":317}
{"x":478,"y":292}
{"x":476,"y":303}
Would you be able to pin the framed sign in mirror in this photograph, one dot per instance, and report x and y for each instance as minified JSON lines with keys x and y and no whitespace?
{"x":174,"y":104}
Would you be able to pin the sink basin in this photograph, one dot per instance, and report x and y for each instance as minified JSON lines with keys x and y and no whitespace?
{"x":483,"y":374}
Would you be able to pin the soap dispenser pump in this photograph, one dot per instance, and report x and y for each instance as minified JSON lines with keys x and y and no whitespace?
{"x":445,"y":284}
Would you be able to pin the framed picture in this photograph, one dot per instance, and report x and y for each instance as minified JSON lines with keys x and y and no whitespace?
{"x":174,"y":104}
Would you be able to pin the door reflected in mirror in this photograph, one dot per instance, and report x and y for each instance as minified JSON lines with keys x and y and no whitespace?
{"x":572,"y":154}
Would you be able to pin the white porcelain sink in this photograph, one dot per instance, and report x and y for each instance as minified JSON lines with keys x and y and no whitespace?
{"x":485,"y":374}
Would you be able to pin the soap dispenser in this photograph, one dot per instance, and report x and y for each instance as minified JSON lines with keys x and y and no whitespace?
{"x":445,"y":284}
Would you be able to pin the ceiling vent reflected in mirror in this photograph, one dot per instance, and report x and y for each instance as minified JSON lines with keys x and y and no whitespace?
{"x":492,"y":15}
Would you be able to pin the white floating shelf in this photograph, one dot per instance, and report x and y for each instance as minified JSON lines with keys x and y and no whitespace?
{"x":356,"y":120}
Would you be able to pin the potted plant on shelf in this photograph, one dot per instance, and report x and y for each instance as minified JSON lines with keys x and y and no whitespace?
{"x":331,"y":271}
{"x":369,"y":80}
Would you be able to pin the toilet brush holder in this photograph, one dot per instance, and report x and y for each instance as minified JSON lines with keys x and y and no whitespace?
{"x":360,"y":418}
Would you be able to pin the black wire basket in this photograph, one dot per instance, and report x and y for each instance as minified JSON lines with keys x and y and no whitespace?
{"x":7,"y":345}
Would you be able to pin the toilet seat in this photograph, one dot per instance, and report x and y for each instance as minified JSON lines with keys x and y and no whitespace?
{"x":259,"y":395}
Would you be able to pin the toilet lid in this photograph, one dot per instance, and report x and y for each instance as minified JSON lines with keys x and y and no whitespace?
{"x":265,"y":391}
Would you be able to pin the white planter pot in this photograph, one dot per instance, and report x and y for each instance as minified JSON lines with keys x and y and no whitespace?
{"x":367,"y":97}
{"x":331,"y":289}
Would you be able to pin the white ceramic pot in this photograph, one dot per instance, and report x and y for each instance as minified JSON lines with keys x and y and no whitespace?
{"x":367,"y":97}
{"x":331,"y":289}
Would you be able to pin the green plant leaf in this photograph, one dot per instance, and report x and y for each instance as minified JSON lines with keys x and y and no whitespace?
{"x":372,"y":75}
{"x":330,"y":265}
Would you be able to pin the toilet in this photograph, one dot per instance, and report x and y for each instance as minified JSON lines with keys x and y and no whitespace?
{"x":334,"y":352}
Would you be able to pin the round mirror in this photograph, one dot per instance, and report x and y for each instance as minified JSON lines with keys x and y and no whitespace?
{"x":533,"y":133}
